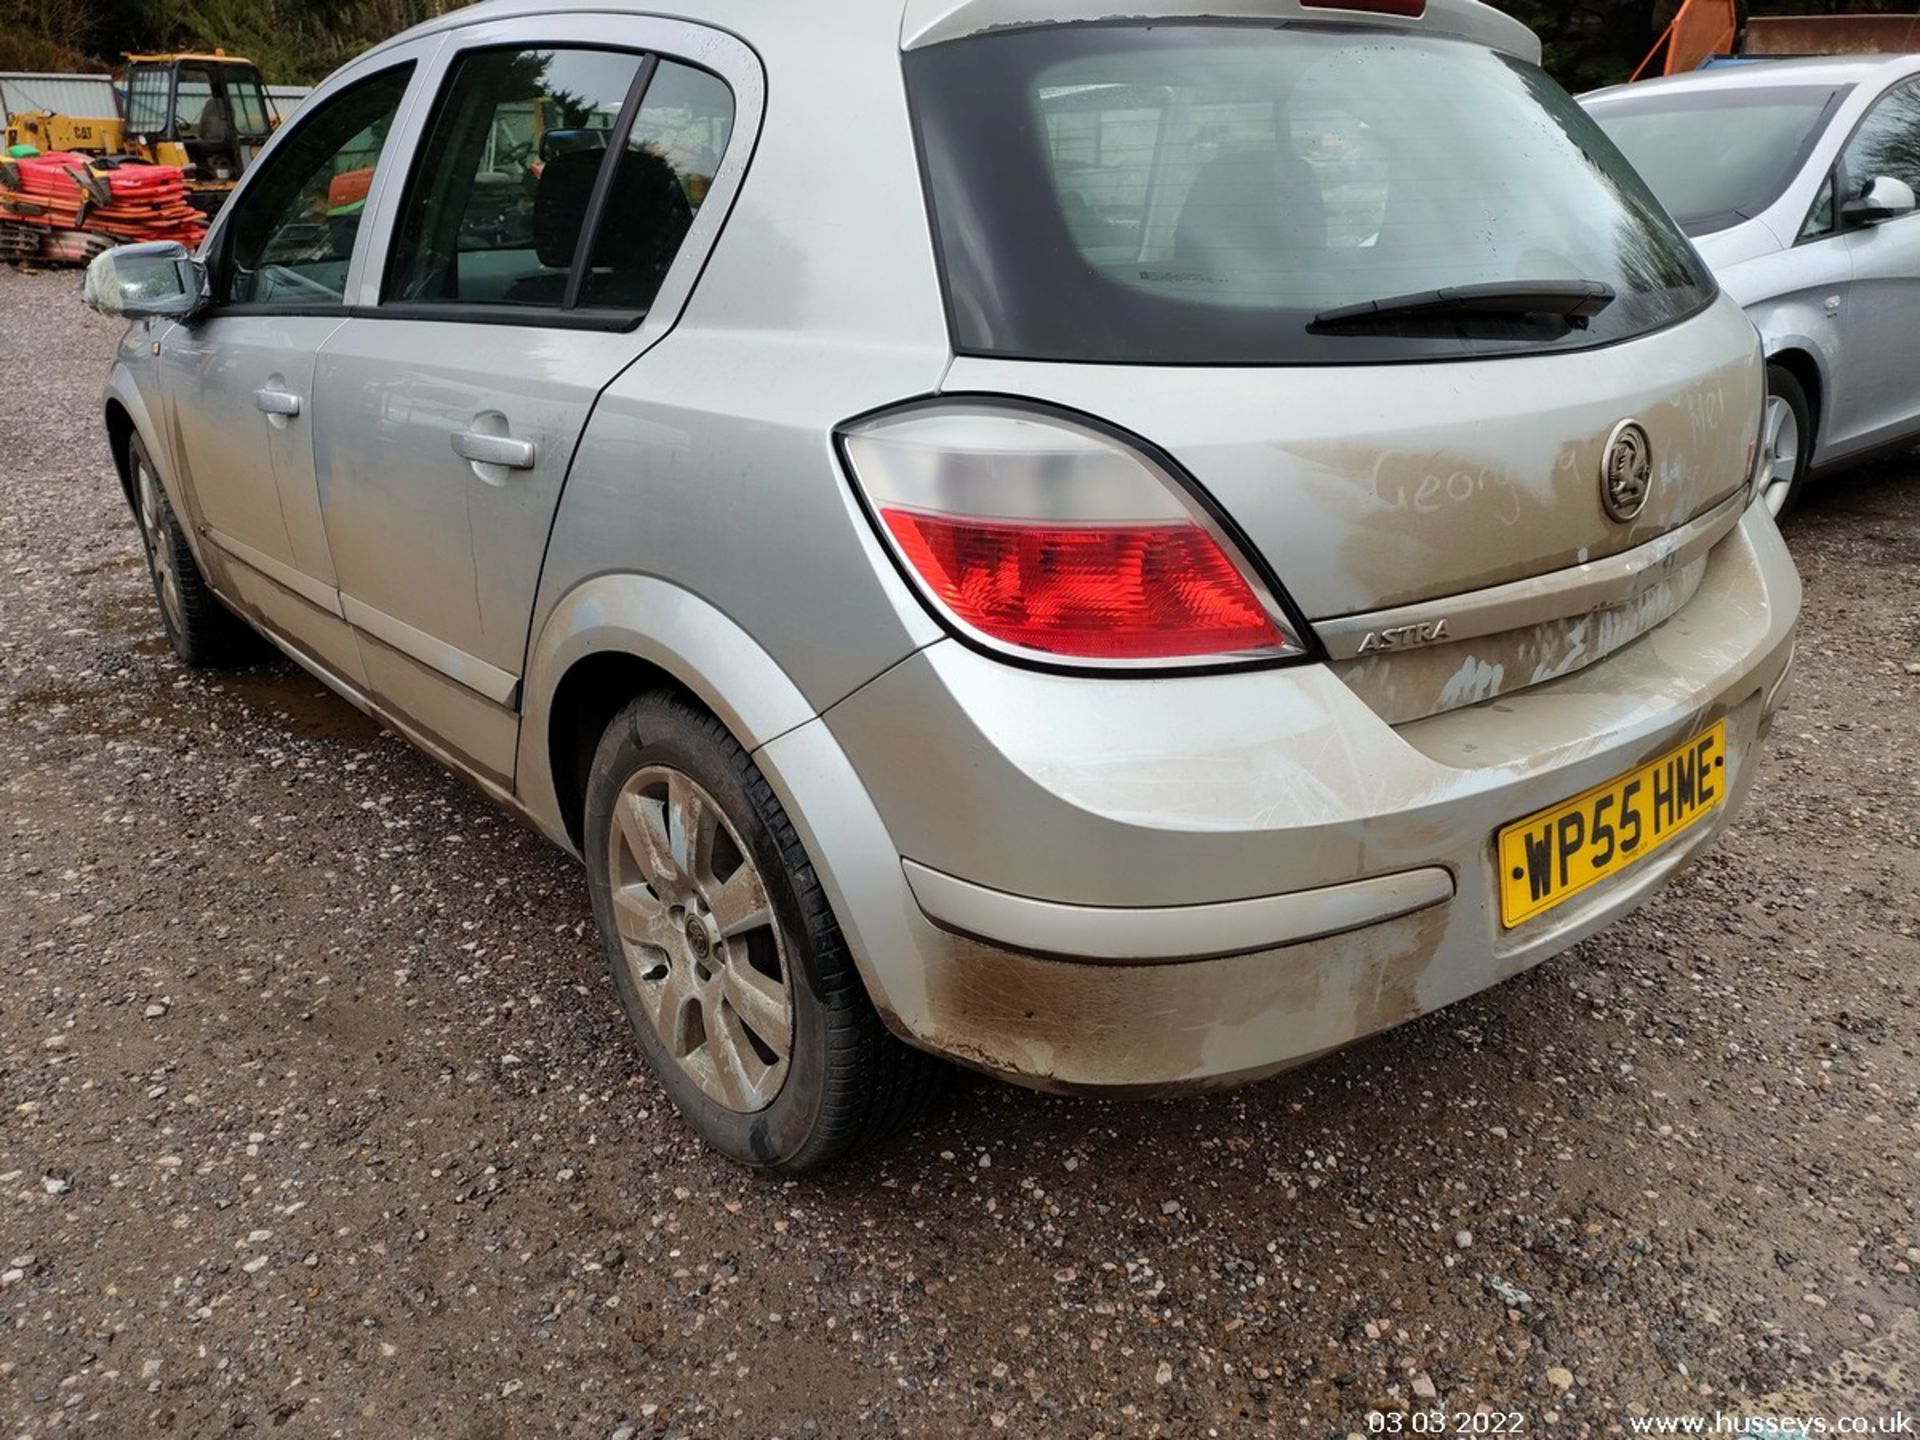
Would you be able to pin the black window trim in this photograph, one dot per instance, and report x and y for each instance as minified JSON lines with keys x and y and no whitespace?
{"x":483,"y":313}
{"x":217,"y":260}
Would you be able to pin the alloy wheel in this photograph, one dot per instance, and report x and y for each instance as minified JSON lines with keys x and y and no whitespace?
{"x":699,"y":938}
{"x":1782,"y":460}
{"x":160,"y":556}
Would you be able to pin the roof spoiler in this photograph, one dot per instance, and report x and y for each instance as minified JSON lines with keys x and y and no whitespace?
{"x":929,"y":22}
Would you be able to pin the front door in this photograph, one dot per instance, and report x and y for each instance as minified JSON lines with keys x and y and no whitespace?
{"x":1880,"y":400}
{"x":241,"y":376}
{"x":553,"y":187}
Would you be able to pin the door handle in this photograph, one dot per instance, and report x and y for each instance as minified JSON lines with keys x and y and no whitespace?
{"x":276,"y":402}
{"x":493,"y":449}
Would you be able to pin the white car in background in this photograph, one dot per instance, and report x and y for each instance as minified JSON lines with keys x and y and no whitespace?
{"x":1796,"y":180}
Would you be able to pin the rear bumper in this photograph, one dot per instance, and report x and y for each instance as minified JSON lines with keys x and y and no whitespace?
{"x":1142,"y":886}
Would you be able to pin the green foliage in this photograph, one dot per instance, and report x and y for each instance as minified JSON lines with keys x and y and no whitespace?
{"x":44,"y":34}
{"x":293,"y":41}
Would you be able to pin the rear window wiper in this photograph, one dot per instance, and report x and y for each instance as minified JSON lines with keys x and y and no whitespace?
{"x":1575,"y":301}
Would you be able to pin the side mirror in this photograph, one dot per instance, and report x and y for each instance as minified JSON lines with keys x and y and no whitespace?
{"x":1884,"y":199}
{"x":158,"y":280}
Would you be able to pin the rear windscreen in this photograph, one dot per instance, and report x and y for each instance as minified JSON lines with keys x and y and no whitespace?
{"x":1200,"y":193}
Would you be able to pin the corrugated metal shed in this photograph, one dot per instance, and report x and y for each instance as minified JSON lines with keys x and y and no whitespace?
{"x":1831,"y":34}
{"x":286,"y":98}
{"x":92,"y":95}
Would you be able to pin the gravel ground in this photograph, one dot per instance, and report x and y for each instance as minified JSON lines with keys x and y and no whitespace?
{"x":319,"y":1113}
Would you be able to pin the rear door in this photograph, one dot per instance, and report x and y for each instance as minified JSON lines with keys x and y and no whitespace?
{"x":537,"y":249}
{"x":1880,"y":400}
{"x":241,"y":376}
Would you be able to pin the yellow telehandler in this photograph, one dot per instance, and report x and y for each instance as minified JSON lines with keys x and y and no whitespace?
{"x":205,"y":115}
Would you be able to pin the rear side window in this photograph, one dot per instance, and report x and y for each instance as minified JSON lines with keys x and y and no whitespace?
{"x":557,"y":179}
{"x":1201,"y":193}
{"x":290,"y":234}
{"x":663,"y":173}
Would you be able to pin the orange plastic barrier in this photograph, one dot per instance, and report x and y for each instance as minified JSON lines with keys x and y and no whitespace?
{"x":72,"y":208}
{"x":1701,"y":29}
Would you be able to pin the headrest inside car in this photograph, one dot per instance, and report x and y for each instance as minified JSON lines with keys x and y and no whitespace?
{"x":560,"y":205}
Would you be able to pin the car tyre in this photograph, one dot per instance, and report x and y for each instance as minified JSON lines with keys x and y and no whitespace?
{"x":202,"y":631}
{"x":725,"y":952}
{"x":1787,"y":439}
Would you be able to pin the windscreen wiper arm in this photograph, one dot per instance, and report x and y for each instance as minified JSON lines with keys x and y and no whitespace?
{"x":1573,"y":300}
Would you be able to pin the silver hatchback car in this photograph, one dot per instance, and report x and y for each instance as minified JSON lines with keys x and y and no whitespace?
{"x":1125,"y":553}
{"x":1797,"y":180}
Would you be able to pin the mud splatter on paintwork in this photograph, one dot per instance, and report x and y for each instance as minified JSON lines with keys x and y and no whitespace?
{"x":1413,"y":684}
{"x":1059,"y":1025}
{"x":1426,"y":514}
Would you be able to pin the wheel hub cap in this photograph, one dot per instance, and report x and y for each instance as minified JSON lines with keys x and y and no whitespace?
{"x":698,"y":938}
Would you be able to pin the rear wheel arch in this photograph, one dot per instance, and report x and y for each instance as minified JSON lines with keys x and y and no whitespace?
{"x":618,"y":636}
{"x":594,"y":689}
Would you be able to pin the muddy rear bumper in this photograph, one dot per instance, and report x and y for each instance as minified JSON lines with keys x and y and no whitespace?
{"x":1080,"y":884}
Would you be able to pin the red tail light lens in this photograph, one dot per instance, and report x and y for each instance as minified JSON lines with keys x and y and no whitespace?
{"x":1108,"y":592}
{"x":1046,"y":538}
{"x":1412,"y":9}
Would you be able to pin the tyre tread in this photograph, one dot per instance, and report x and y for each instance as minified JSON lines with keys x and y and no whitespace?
{"x":875,"y":1085}
{"x":211,"y":635}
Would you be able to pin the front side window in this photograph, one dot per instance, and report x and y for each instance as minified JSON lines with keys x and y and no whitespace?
{"x":290,"y":236}
{"x":1216,"y":194}
{"x":1887,"y":142}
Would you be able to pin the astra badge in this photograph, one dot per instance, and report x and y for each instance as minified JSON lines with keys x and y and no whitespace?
{"x":1626,"y":471}
{"x":1404,"y":637}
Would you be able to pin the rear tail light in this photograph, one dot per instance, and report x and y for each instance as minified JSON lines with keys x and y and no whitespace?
{"x":1045,"y":538}
{"x":1412,"y":9}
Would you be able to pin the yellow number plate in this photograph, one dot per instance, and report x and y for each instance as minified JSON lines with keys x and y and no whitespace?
{"x":1554,"y":855}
